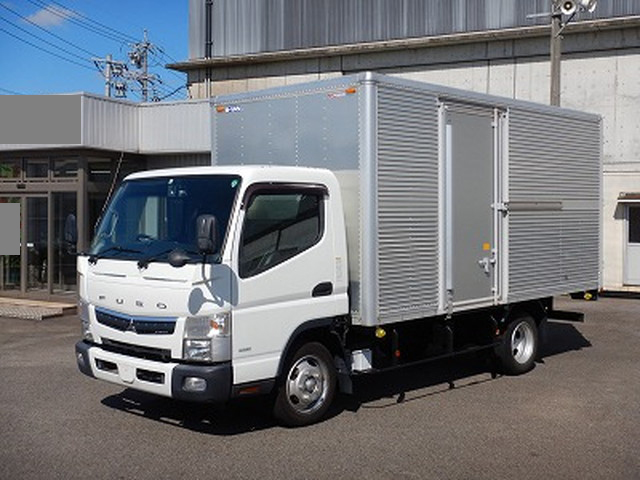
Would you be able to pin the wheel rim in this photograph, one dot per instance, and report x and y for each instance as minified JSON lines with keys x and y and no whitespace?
{"x":522,"y":342}
{"x":306,"y":384}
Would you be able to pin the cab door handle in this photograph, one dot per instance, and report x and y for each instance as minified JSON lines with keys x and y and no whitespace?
{"x":323,"y":289}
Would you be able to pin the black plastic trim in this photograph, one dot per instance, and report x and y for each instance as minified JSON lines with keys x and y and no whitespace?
{"x":218,"y":377}
{"x":310,"y":325}
{"x":261,"y":387}
{"x":82,"y":348}
{"x":278,"y":187}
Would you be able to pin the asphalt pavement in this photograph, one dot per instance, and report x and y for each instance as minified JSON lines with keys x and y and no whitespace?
{"x":575,"y":416}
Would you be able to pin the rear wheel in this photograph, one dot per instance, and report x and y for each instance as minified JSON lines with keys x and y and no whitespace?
{"x":308,"y":387}
{"x":519,"y":348}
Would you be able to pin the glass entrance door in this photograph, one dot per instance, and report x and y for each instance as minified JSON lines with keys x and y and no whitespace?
{"x":10,"y":264}
{"x":47,"y":259}
{"x":65,"y":239}
{"x":37,"y":242}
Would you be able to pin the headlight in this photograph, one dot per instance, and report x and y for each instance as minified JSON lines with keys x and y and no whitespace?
{"x":215,"y":325}
{"x":197,"y":350}
{"x":207,"y":338}
{"x":83,"y":313}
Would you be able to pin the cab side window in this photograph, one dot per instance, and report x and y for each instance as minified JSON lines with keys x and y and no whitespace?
{"x":277,"y":227}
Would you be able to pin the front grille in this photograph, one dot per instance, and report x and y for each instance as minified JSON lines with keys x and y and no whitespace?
{"x":141,"y":325}
{"x":148,"y":353}
{"x":149,"y":376}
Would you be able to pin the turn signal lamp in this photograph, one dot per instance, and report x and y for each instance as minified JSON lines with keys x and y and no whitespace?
{"x":381,"y":332}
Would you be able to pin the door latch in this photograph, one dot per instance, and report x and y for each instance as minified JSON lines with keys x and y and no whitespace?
{"x":486,"y":263}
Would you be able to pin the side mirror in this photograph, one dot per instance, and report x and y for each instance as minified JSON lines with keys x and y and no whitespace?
{"x":207,"y":233}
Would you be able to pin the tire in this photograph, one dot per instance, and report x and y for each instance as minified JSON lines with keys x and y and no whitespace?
{"x":519,"y":348}
{"x":307,"y":387}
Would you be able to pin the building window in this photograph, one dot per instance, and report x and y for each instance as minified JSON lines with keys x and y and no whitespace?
{"x":277,"y":227}
{"x":100,"y":171}
{"x":10,"y":168}
{"x":37,"y":168}
{"x":65,"y":167}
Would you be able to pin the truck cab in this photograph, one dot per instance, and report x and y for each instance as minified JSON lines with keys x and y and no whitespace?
{"x":200,"y":283}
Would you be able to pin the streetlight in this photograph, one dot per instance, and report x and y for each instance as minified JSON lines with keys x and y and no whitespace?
{"x":558,"y":9}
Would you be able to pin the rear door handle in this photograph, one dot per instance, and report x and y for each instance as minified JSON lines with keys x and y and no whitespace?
{"x":323,"y":289}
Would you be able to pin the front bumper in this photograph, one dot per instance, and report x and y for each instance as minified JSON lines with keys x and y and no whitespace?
{"x":166,"y":379}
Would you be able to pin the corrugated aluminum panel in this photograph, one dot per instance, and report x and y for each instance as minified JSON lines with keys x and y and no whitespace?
{"x":550,"y":253}
{"x":175,"y":127}
{"x":178,"y":160}
{"x":109,"y":124}
{"x":407,"y":204}
{"x":247,"y":26}
{"x":553,"y":158}
{"x":117,"y":125}
{"x":197,"y":29}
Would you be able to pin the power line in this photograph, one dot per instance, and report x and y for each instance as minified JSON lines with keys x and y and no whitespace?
{"x":63,"y":11}
{"x":116,"y":73}
{"x":172,"y":93}
{"x":42,"y":39}
{"x":45,"y":50}
{"x":82,"y":20}
{"x":45,"y":30}
{"x":101,"y":25}
{"x":65,"y":15}
{"x":167,"y":57}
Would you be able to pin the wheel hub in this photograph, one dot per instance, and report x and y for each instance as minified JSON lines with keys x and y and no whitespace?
{"x":306,"y":384}
{"x":522,"y":342}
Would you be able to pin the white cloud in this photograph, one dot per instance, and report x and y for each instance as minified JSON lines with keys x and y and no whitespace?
{"x":51,"y":16}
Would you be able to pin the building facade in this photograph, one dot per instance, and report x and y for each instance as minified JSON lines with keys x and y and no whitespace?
{"x":499,"y":47}
{"x":62,"y":185}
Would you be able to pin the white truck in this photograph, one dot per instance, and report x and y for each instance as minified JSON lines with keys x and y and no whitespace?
{"x":346,"y":226}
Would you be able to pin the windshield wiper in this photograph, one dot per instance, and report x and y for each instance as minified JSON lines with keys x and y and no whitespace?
{"x":115,"y":248}
{"x":180,"y":257}
{"x":144,"y":262}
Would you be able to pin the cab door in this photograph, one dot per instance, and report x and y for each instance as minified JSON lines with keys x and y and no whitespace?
{"x":283,"y":259}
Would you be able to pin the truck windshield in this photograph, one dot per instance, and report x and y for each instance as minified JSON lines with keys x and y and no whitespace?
{"x":150,"y":217}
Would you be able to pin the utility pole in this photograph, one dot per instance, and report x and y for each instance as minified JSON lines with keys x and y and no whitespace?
{"x":556,"y":52}
{"x":139,"y":56}
{"x":145,"y":68}
{"x":107,"y":76}
{"x":111,"y":70}
{"x":559,"y":8}
{"x":118,"y":76}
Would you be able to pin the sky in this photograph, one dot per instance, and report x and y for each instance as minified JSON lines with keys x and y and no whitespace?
{"x":34,"y":34}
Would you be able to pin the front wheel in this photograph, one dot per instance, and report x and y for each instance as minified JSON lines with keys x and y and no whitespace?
{"x":308,"y":387}
{"x":519,"y":348}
